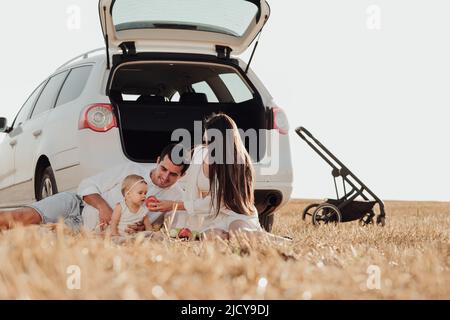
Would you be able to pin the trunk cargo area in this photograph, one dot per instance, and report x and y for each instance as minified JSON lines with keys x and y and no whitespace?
{"x":153,"y":99}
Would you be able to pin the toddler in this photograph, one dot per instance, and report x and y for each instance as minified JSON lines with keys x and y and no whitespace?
{"x":132,"y":209}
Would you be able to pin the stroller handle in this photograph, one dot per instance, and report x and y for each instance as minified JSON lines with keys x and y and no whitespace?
{"x":343,"y":171}
{"x":301,"y":131}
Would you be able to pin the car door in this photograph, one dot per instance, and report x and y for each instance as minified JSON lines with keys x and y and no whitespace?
{"x":8,"y":195}
{"x":6,"y":164}
{"x":192,"y":26}
{"x":64,"y":120}
{"x":30,"y":136}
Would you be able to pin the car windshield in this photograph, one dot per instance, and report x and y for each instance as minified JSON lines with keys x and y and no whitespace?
{"x":231,"y":17}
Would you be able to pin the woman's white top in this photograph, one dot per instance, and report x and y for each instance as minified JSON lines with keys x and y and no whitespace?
{"x":127,"y":217}
{"x":203,"y":182}
{"x":201,"y":216}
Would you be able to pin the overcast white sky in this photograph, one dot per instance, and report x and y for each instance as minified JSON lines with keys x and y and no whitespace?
{"x":374,"y":88}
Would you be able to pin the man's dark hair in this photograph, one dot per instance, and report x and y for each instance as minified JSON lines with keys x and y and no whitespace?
{"x":176,"y":149}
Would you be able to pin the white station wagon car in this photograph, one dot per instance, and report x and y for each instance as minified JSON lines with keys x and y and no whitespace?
{"x":167,"y":64}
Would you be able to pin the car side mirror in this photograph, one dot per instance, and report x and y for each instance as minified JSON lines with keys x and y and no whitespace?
{"x":3,"y":125}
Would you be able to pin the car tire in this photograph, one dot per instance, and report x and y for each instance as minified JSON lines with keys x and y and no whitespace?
{"x":266,"y":220}
{"x":46,"y":185}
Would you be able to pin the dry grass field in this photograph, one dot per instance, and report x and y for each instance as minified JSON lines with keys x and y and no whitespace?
{"x":408,"y":259}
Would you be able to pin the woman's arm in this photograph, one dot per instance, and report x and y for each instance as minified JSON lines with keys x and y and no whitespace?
{"x":166,"y":206}
{"x":198,"y":206}
{"x":115,"y":220}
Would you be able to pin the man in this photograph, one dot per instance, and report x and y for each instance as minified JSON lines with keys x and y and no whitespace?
{"x":96,"y":196}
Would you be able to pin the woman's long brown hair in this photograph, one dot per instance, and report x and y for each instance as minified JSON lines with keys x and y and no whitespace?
{"x":231,"y":184}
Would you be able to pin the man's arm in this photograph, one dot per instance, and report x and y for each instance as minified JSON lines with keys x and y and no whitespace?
{"x":104,"y":210}
{"x":91,"y":189}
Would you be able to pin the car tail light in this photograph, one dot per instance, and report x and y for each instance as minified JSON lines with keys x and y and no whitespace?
{"x":98,"y":117}
{"x":280,"y":121}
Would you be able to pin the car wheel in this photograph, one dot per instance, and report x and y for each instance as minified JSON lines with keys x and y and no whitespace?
{"x":47,"y":184}
{"x":266,"y":221}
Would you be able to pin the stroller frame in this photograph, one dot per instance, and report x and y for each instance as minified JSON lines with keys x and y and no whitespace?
{"x":346,"y":208}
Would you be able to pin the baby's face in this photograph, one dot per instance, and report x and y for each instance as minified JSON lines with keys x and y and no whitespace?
{"x":138,"y":194}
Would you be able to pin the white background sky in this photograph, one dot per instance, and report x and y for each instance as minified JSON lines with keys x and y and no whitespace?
{"x":379,"y":99}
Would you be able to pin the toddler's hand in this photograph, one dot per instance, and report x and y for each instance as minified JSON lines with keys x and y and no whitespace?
{"x":135,"y":228}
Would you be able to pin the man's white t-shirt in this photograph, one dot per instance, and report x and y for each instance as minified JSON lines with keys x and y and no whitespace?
{"x":108,"y":185}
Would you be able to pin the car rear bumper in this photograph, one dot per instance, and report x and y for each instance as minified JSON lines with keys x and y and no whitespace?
{"x":271,"y":196}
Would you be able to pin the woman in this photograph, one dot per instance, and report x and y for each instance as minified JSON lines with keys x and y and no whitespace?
{"x":219,"y":196}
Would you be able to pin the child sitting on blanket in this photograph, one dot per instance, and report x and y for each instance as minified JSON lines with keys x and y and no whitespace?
{"x":132,"y":209}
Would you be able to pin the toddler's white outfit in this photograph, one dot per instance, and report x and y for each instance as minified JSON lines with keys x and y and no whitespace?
{"x":128,"y":218}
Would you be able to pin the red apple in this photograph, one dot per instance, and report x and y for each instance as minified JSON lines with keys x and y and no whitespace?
{"x":151,"y":200}
{"x":185,"y":233}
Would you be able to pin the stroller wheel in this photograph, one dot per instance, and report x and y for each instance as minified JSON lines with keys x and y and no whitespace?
{"x":326,"y":213}
{"x":367,"y":219}
{"x":381,"y":221}
{"x":308,"y":210}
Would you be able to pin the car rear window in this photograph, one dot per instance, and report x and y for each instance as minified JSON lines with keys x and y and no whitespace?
{"x":231,"y":17}
{"x":233,"y":82}
{"x":156,"y":82}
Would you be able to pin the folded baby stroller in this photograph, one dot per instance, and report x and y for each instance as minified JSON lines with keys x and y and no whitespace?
{"x":356,"y":204}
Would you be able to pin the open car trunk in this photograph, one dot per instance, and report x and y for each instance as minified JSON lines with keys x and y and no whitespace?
{"x":193,"y":25}
{"x":152,"y":99}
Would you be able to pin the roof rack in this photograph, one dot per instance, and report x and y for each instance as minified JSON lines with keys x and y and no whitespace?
{"x":81,"y":56}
